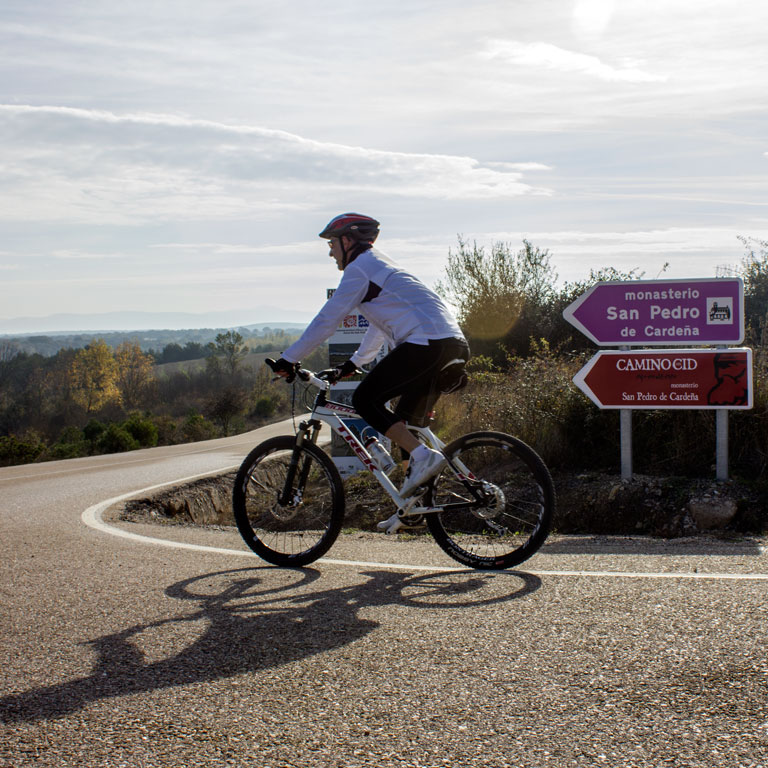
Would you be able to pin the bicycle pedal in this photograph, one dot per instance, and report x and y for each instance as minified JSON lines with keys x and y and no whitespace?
{"x":390,"y":526}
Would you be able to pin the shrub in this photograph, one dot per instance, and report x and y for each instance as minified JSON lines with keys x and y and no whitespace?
{"x":15,"y":450}
{"x":93,"y":430}
{"x":116,"y":439}
{"x":166,"y":430}
{"x":70,"y":444}
{"x":536,"y":400}
{"x":142,"y":429}
{"x":264,"y":408}
{"x":196,"y":427}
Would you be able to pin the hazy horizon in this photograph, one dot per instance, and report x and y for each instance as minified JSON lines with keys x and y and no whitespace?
{"x":61,"y":323}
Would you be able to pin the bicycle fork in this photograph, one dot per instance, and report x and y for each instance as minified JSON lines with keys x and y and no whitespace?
{"x":293,"y":494}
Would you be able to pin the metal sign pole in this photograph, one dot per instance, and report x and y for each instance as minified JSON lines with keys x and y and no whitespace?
{"x":721,"y":436}
{"x":626,"y":443}
{"x":625,"y":422}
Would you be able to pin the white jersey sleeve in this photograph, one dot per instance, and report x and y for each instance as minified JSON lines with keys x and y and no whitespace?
{"x":347,"y":296}
{"x":369,"y":346}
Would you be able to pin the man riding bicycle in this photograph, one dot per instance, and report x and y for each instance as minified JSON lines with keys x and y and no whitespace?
{"x":427,"y":350}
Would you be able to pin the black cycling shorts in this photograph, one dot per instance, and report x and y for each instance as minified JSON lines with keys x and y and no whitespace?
{"x":409,"y":372}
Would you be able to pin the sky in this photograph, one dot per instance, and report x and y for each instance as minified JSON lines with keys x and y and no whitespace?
{"x":182,"y":156}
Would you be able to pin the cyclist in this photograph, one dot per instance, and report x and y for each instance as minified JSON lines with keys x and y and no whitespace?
{"x":424,"y":340}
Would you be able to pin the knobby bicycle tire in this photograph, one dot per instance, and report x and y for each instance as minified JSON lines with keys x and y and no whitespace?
{"x":303,"y":529}
{"x":520,"y":502}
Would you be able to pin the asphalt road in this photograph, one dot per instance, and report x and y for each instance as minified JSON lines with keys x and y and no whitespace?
{"x":120,"y":651}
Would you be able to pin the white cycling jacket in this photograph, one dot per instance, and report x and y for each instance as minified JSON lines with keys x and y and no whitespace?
{"x":398,"y":306}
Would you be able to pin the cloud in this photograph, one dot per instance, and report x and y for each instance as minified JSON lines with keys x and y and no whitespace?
{"x":591,"y":17}
{"x":73,"y":163}
{"x":68,"y":255}
{"x":559,"y":59}
{"x":654,"y":241}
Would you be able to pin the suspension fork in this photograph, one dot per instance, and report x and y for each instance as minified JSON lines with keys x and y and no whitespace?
{"x":308,"y":430}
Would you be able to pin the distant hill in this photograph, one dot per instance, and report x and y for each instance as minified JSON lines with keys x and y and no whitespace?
{"x":109,"y":322}
{"x":50,"y":344}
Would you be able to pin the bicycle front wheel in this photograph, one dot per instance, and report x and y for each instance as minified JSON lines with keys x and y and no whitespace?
{"x":502,"y":502}
{"x":289,"y":510}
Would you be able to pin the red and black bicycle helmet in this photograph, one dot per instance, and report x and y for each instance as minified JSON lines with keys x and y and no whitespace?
{"x":364,"y":229}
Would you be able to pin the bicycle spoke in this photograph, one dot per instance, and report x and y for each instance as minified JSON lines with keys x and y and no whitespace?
{"x":304,"y":527}
{"x":511,"y":517}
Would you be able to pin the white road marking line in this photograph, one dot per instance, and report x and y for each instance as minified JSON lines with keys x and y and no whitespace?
{"x":92,"y":517}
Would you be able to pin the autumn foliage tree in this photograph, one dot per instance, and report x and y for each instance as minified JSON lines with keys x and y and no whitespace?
{"x":134,"y":373}
{"x":93,"y":376}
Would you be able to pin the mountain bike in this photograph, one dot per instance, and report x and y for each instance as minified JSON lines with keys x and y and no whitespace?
{"x":490,"y":507}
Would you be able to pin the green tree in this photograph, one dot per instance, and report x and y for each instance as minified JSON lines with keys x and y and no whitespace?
{"x":227,"y":353}
{"x":754,"y":273}
{"x":226,"y":406}
{"x":502,"y":297}
{"x":23,"y":450}
{"x":133,"y":373}
{"x":142,"y":429}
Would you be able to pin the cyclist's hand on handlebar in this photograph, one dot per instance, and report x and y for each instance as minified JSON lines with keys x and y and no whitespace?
{"x":333,"y":375}
{"x":284,"y":368}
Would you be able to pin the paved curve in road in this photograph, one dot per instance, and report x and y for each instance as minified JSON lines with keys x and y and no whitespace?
{"x":118,"y":652}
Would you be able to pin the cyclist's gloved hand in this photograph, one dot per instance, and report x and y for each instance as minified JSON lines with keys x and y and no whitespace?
{"x":286,"y":369}
{"x":348,"y":368}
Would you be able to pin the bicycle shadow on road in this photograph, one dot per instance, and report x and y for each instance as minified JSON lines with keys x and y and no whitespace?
{"x":252,"y":619}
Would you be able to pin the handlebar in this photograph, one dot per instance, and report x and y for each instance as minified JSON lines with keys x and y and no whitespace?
{"x":304,"y":375}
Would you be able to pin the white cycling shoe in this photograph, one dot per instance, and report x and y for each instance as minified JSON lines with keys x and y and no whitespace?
{"x":421,"y":470}
{"x":394,"y":523}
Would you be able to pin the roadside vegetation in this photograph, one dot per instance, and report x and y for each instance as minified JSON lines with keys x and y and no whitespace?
{"x":100,"y":399}
{"x":525,"y":356}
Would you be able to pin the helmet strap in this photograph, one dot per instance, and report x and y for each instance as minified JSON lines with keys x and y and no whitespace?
{"x":351,"y":253}
{"x":344,"y":253}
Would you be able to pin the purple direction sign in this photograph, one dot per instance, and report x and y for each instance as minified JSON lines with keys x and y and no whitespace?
{"x":664,"y":312}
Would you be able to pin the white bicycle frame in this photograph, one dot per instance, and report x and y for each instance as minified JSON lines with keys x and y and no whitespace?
{"x":331,"y":412}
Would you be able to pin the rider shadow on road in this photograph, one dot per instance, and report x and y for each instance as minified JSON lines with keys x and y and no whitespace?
{"x":255,"y":619}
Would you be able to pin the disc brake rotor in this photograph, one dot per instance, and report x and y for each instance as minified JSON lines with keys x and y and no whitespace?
{"x":495,"y":501}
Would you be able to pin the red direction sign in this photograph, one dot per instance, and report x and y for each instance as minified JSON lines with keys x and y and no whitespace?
{"x":669,"y":378}
{"x":661,"y":312}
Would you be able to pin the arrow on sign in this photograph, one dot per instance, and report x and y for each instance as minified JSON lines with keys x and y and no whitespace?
{"x":661,"y":312}
{"x":668,"y":378}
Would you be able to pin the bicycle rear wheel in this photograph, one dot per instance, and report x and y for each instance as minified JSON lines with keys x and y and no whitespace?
{"x":515,"y":516}
{"x":304,"y":527}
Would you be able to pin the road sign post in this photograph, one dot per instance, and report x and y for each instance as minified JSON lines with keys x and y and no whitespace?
{"x":721,"y":437}
{"x":707,"y":311}
{"x":625,"y":435}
